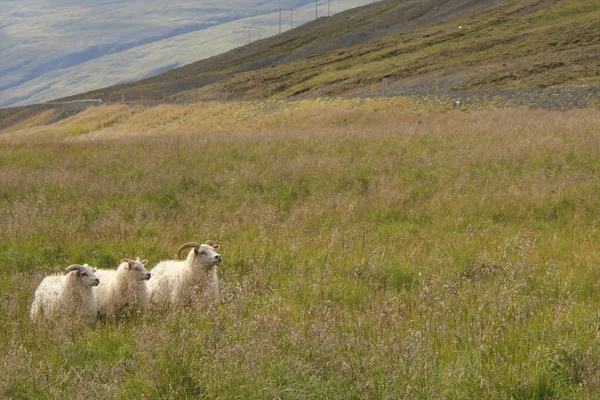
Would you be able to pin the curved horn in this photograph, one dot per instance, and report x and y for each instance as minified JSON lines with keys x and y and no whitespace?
{"x":73,"y":267}
{"x":187,"y":245}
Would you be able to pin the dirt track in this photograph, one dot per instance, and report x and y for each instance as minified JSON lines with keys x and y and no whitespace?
{"x":556,"y":99}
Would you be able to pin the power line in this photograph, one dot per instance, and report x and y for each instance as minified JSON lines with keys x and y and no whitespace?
{"x":291,"y":10}
{"x":249,"y":28}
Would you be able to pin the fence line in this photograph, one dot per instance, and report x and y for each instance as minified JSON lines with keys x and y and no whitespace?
{"x":436,"y":90}
{"x":76,"y":101}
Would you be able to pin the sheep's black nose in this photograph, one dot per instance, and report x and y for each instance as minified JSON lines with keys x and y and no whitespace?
{"x":218,"y":258}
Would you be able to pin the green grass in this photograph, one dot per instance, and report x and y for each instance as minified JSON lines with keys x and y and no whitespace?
{"x":547,"y":46}
{"x":381,"y":258}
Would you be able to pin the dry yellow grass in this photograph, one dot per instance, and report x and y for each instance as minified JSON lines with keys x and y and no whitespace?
{"x":117,"y":121}
{"x":42,"y":118}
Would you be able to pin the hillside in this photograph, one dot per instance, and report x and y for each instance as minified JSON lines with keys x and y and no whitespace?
{"x":58,"y":48}
{"x":463,"y":44}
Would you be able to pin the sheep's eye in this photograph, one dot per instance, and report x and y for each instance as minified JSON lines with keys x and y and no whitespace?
{"x":84,"y":274}
{"x":202,"y":253}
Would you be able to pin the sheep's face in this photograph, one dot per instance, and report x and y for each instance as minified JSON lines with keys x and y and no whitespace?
{"x":137,"y":269}
{"x":86,"y":275}
{"x":207,"y":255}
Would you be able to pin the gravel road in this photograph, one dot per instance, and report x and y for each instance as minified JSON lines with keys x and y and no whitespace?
{"x":557,"y":99}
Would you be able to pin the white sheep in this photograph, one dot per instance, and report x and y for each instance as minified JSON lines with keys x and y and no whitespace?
{"x":123,"y":290}
{"x":69,"y":295}
{"x":190,"y":283}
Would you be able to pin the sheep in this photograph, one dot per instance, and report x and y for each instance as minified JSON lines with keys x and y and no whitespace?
{"x":68,"y":295}
{"x":190,"y":283}
{"x":123,"y":290}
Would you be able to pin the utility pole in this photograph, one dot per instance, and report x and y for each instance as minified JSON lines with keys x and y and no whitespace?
{"x":329,"y":8}
{"x":259,"y":29}
{"x":291,"y":10}
{"x":280,"y":20}
{"x":316,"y":9}
{"x":249,"y":28}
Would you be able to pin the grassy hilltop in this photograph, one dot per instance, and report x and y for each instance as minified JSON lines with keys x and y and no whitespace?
{"x":372,"y":249}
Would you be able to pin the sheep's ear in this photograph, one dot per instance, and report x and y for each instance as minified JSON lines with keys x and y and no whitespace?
{"x":128,"y":265}
{"x":195,"y":250}
{"x":143,"y":262}
{"x":93,"y":270}
{"x":216,"y":246}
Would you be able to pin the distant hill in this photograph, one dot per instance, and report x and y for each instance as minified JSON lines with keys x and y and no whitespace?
{"x":420,"y":45}
{"x":56,"y":48}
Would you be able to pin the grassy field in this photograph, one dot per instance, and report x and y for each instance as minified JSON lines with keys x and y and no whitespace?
{"x":372,"y":249}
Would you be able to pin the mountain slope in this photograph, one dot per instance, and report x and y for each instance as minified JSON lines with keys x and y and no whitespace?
{"x":546,"y":43}
{"x":463,"y":44}
{"x":57,"y":48}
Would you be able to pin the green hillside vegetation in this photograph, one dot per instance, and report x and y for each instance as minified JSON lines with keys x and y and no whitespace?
{"x":554,"y":46}
{"x":372,"y":249}
{"x":546,"y":42}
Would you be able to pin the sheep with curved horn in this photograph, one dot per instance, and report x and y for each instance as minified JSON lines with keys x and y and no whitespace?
{"x":191,"y":283}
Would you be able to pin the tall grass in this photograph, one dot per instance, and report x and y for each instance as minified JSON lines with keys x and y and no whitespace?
{"x":369,"y":252}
